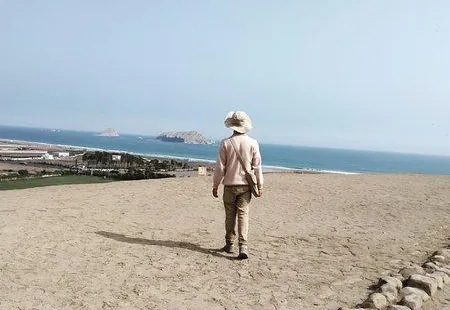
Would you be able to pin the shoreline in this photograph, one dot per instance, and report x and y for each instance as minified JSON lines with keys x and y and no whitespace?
{"x":206,"y":162}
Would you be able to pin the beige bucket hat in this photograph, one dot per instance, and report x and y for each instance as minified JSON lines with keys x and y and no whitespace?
{"x":238,"y":121}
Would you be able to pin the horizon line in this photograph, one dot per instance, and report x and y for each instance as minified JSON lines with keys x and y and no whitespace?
{"x":218,"y":140}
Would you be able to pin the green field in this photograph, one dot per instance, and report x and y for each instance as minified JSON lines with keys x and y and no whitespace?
{"x":38,"y":182}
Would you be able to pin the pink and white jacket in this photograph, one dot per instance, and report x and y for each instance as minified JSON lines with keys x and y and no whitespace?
{"x":229,"y":169}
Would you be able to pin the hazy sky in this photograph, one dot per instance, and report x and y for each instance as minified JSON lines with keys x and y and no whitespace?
{"x":371,"y":74}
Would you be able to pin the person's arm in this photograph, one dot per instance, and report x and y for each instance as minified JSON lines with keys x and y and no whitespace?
{"x":256,"y":166}
{"x":219,"y":170}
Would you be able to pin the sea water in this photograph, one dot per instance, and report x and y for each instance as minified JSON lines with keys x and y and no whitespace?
{"x":276,"y":157}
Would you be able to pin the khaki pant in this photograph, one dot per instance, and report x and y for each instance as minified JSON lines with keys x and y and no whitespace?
{"x":236,"y":200}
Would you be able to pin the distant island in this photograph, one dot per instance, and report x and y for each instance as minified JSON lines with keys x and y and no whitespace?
{"x":189,"y":137}
{"x":109,"y":132}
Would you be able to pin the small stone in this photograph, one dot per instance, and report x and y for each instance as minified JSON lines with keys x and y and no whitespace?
{"x":345,"y":308}
{"x":442,"y":265}
{"x":409,"y":271}
{"x":443,"y":252}
{"x":390,"y":292}
{"x":393,"y":281}
{"x":413,"y":301}
{"x":429,"y":285}
{"x":437,"y":267}
{"x":438,"y":277}
{"x":376,"y":301}
{"x":439,"y":259}
{"x":413,"y":290}
{"x":398,"y":307}
{"x":398,"y":276}
{"x":430,"y":265}
{"x":445,"y":277}
{"x":446,"y":270}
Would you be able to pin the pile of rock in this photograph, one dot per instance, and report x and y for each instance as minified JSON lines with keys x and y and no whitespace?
{"x":411,"y":286}
{"x":189,"y":137}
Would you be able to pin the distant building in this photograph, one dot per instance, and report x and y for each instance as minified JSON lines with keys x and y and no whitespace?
{"x":201,"y":171}
{"x":48,"y":156}
{"x":62,"y":154}
{"x":116,"y":157}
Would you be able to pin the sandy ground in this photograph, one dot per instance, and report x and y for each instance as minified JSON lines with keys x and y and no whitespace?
{"x":316,"y":242}
{"x":14,"y":144}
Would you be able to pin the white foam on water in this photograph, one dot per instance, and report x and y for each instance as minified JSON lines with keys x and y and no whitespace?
{"x":266,"y":168}
{"x":339,"y":172}
{"x":299,"y":170}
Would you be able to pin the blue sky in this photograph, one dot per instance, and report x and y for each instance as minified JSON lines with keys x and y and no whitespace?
{"x":347,"y":74}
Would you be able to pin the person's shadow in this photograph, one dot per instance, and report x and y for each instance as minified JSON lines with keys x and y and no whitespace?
{"x":165,"y":243}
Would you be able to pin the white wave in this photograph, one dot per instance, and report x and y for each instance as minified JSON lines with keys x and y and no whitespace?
{"x":280,"y":168}
{"x":189,"y":159}
{"x":339,"y":172}
{"x":266,"y":168}
{"x":300,"y":170}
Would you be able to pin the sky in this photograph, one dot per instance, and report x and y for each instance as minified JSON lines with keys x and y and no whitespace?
{"x":371,"y":74}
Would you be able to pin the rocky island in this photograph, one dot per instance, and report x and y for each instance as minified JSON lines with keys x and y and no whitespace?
{"x":189,"y":137}
{"x":109,"y":132}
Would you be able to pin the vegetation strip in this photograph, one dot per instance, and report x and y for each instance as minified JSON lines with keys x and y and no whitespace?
{"x":81,"y":166}
{"x":50,"y":181}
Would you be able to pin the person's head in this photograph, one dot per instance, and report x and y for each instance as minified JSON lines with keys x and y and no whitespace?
{"x":239,"y":121}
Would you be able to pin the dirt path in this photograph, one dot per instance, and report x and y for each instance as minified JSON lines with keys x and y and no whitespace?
{"x":316,"y":242}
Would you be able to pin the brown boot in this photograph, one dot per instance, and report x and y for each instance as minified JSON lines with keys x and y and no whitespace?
{"x":229,"y":248}
{"x":243,"y":252}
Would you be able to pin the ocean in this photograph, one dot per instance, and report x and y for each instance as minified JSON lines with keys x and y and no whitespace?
{"x":275,"y":157}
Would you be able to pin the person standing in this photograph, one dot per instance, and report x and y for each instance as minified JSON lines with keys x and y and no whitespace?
{"x":229,"y":171}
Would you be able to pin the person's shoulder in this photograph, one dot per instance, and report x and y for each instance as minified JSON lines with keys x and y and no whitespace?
{"x":253,"y":140}
{"x":224,"y":141}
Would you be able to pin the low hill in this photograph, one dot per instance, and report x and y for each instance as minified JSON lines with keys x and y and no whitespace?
{"x":189,"y":137}
{"x":109,"y":132}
